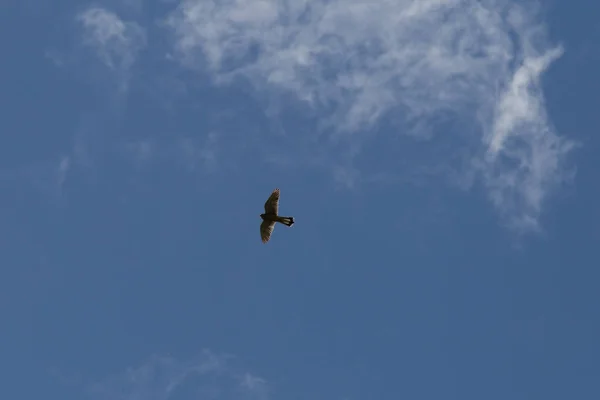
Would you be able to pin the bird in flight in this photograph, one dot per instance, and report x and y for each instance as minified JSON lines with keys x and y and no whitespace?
{"x":271,"y":216}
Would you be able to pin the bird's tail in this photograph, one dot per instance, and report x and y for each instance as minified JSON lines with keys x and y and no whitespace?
{"x":289,"y":221}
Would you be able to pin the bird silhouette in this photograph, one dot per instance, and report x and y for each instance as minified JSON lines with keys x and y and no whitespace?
{"x":271,"y":216}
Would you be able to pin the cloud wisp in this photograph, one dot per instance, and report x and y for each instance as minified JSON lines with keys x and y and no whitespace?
{"x":524,"y":156}
{"x":48,"y":178}
{"x":210,"y":376}
{"x":191,"y":153}
{"x":116,"y":42}
{"x":356,"y":63}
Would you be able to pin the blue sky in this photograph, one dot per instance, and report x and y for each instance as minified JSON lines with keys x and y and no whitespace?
{"x":438,"y":158}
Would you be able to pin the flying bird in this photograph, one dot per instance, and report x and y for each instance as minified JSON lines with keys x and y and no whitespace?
{"x":271,"y":216}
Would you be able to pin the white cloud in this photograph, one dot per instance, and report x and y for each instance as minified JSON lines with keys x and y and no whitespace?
{"x":358,"y":61}
{"x":210,"y":376}
{"x":254,"y":387}
{"x":47,"y":177}
{"x":522,"y":138}
{"x":115,"y":41}
{"x":63,"y":169}
{"x":117,"y":44}
{"x":191,"y":153}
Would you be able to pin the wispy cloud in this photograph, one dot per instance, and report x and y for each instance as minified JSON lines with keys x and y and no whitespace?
{"x":524,"y":155}
{"x":356,"y":63}
{"x":48,"y":178}
{"x":196,"y":152}
{"x":116,"y":42}
{"x":209,"y":376}
{"x":191,"y":153}
{"x":256,"y":387}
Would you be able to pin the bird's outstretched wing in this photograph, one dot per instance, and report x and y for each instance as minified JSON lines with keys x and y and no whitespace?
{"x":272,"y":204}
{"x":266,"y":228}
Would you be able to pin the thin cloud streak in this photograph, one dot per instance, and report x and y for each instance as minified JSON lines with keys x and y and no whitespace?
{"x":191,"y":153}
{"x":522,"y":137}
{"x":355,"y":63}
{"x":48,"y":177}
{"x":116,"y":42}
{"x":209,"y":375}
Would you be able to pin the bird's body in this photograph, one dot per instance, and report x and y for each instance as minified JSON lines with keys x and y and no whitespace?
{"x":270,"y":217}
{"x":289,"y":221}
